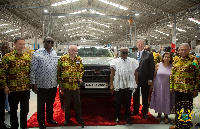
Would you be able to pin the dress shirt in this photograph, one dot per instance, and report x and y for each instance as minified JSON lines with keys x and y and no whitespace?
{"x":185,"y":77}
{"x":140,"y":53}
{"x":69,"y":71}
{"x":124,"y":73}
{"x":15,"y":71}
{"x":44,"y":68}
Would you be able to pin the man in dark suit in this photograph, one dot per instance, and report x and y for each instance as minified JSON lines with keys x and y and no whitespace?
{"x":145,"y":77}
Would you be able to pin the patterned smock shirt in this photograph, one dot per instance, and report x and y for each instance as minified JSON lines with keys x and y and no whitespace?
{"x":69,"y":71}
{"x":124,"y":73}
{"x":185,"y":75}
{"x":15,"y":71}
{"x":44,"y":68}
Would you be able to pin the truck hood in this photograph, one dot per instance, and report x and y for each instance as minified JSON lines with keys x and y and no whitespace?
{"x":97,"y":60}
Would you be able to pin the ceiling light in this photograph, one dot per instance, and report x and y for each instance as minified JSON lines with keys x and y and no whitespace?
{"x":179,"y":29}
{"x":60,"y":16}
{"x":113,"y":4}
{"x":194,"y":20}
{"x":137,"y":14}
{"x":79,"y":11}
{"x":114,"y":18}
{"x":195,"y":36}
{"x":64,"y":2}
{"x":45,"y":10}
{"x":93,"y":11}
{"x":3,"y":24}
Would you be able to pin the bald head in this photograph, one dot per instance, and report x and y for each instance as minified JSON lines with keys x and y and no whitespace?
{"x":72,"y":51}
{"x":72,"y":47}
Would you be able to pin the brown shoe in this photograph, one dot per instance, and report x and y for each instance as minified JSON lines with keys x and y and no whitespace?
{"x":173,"y":127}
{"x":166,"y":120}
{"x":159,"y":117}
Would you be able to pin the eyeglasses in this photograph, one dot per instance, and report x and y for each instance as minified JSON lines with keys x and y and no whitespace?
{"x":49,"y":41}
{"x":124,"y":53}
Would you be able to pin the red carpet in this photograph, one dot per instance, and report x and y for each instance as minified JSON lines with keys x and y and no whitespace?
{"x":97,"y":111}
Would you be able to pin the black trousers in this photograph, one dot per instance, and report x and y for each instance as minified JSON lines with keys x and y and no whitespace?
{"x":120,"y":96}
{"x":145,"y":94}
{"x":14,"y":98}
{"x":183,"y":100}
{"x":45,"y":96}
{"x":2,"y":107}
{"x":77,"y":103}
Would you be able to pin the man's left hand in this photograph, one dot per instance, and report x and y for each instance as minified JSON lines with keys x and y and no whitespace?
{"x":150,"y":83}
{"x":80,"y":80}
{"x":195,"y":94}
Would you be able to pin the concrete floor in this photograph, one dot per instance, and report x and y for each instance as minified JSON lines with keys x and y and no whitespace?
{"x":33,"y":109}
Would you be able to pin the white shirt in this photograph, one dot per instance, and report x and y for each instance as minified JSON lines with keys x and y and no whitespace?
{"x":124,"y":73}
{"x":44,"y":68}
{"x":140,"y":53}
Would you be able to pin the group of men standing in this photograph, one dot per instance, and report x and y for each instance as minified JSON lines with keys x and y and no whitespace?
{"x":43,"y":71}
{"x":20,"y":72}
{"x":184,"y":81}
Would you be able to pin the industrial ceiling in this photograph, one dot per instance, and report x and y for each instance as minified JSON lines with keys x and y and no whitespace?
{"x":101,"y":21}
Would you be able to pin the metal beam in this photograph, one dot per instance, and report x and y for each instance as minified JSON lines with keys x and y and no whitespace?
{"x":87,"y":15}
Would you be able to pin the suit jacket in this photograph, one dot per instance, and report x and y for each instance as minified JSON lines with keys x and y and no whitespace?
{"x":146,"y":67}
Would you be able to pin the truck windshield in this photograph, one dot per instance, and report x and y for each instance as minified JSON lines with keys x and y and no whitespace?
{"x":94,"y":52}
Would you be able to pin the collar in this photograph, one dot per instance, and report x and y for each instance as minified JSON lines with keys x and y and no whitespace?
{"x":140,"y":52}
{"x":46,"y":50}
{"x":68,"y":56}
{"x":186,"y":58}
{"x":125,"y":60}
{"x":16,"y":53}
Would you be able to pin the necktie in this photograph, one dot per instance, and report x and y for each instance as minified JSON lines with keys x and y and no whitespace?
{"x":138,"y":58}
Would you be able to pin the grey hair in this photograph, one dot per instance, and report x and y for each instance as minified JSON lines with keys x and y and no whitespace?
{"x":71,"y":46}
{"x":185,"y":44}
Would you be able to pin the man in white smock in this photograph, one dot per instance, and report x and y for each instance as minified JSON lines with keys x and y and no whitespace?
{"x":122,"y":81}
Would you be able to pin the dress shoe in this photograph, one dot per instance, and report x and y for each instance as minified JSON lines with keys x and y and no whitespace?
{"x":173,"y":127}
{"x":80,"y":121}
{"x":145,"y":116}
{"x":166,"y":120}
{"x":117,"y":120}
{"x":128,"y":120}
{"x":134,"y":113}
{"x":52,"y":122}
{"x":198,"y":124}
{"x":66,"y":122}
{"x":5,"y":126}
{"x":42,"y":126}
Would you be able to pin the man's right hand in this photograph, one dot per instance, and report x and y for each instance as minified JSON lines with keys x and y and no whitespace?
{"x":111,"y":89}
{"x":6,"y":90}
{"x":172,"y":91}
